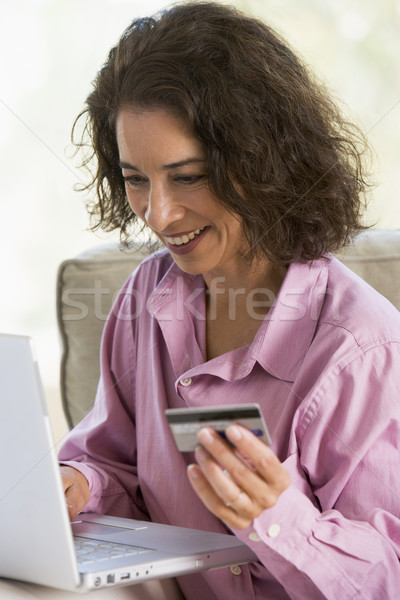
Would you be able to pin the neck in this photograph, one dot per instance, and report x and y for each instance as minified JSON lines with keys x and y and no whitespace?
{"x":247,"y":288}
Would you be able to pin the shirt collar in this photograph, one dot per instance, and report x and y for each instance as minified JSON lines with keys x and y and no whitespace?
{"x":289,"y":328}
{"x":283,"y":337}
{"x":178,"y":305}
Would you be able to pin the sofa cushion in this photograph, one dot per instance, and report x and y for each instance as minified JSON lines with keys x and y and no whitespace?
{"x":375,"y":256}
{"x":88,"y":284}
{"x":86,"y":288}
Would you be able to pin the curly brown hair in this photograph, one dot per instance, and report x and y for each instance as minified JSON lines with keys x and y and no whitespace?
{"x":280,"y":154}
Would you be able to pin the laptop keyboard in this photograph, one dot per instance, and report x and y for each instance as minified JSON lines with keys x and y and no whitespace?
{"x":89,"y":551}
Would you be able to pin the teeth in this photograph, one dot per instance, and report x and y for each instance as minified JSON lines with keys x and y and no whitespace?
{"x":184,"y":239}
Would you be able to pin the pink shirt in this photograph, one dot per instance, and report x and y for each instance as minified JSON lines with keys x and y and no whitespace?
{"x":325,"y":368}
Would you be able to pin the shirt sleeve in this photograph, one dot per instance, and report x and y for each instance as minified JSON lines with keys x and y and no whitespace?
{"x":103,"y":445}
{"x":335,"y":532}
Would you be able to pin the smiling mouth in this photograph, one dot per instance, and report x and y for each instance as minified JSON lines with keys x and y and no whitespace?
{"x":184,"y":239}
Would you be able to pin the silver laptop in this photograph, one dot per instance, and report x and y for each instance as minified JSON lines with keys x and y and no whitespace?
{"x":38,"y":543}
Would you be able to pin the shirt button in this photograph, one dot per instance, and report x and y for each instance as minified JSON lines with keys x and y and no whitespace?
{"x":274,"y":530}
{"x":255,"y":537}
{"x":185,"y":381}
{"x":235,"y":570}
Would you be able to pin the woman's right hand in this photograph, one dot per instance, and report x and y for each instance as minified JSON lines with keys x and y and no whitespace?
{"x":76,"y":490}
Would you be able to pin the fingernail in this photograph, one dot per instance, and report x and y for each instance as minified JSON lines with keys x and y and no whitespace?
{"x":192,"y":472}
{"x":234,"y":433}
{"x":200,"y":454}
{"x":205,"y":437}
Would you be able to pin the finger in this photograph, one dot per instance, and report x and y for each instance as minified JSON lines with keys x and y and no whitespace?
{"x":243,"y":474}
{"x":263,"y":488}
{"x":265,"y":462}
{"x":223,"y":485}
{"x":213,"y":502}
{"x":68,"y":485}
{"x":72,"y":512}
{"x":76,"y":490}
{"x":226,"y":489}
{"x":74,"y":501}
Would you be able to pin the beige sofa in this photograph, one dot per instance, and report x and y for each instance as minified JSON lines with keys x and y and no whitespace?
{"x":87,"y":285}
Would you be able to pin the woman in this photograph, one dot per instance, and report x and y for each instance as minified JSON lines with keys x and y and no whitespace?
{"x":209,"y":131}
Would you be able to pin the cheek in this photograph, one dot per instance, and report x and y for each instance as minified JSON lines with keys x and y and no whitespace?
{"x":235,"y":233}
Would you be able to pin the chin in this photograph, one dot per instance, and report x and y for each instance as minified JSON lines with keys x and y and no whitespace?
{"x":191,"y":267}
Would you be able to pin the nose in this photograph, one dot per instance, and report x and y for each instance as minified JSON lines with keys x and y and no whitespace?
{"x":163,"y":209}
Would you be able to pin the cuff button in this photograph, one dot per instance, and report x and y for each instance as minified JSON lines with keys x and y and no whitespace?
{"x":274,"y":530}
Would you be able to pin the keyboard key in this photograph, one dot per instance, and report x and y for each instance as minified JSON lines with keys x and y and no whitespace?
{"x":89,"y":551}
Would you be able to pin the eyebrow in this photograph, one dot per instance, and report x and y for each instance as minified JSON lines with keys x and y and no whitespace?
{"x":175,"y":165}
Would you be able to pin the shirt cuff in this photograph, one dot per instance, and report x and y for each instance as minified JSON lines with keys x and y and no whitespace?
{"x":284,"y":526}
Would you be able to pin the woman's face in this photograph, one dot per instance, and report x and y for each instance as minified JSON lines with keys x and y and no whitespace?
{"x":165,"y":172}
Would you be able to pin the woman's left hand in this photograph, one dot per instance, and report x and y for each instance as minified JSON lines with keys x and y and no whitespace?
{"x":234,"y":490}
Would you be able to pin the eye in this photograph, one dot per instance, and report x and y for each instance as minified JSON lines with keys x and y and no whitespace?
{"x":189,"y":179}
{"x":135,"y":181}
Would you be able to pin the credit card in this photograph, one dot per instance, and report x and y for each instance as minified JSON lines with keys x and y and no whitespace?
{"x":186,"y":422}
